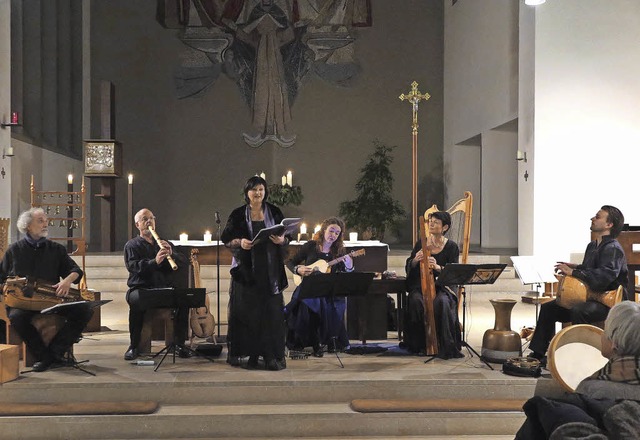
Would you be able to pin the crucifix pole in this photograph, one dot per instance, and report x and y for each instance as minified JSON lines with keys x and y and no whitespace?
{"x":414,"y":97}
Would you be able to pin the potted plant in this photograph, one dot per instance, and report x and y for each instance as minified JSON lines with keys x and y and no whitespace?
{"x":374,"y":211}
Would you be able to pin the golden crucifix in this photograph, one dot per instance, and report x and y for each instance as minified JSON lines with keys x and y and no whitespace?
{"x":414,"y":97}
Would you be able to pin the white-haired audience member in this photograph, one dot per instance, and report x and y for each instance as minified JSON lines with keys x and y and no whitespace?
{"x":620,"y":378}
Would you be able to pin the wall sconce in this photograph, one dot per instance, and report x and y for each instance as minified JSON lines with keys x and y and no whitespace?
{"x":7,"y":152}
{"x":534,"y":2}
{"x":521,"y":155}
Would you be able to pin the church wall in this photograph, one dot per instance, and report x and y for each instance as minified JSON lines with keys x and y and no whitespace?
{"x":5,"y":106}
{"x":587,"y":120}
{"x":481,"y":94}
{"x":189,"y":159}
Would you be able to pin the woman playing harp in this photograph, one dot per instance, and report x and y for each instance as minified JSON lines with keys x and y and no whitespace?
{"x":443,"y":251}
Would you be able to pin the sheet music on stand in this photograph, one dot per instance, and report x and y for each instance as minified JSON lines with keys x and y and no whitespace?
{"x":92,"y":304}
{"x":535,"y":271}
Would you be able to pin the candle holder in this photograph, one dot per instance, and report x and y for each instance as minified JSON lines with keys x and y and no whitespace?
{"x":303,"y":237}
{"x":283,"y":195}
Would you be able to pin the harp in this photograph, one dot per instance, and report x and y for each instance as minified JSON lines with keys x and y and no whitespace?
{"x":460,"y":233}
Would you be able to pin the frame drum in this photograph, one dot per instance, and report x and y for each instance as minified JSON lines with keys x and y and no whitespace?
{"x":574,"y":354}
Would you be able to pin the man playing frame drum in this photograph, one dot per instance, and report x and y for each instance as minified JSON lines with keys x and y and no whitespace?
{"x":603,"y":268}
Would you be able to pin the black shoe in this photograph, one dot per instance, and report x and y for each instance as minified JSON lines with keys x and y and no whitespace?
{"x":541,"y":357}
{"x":131,"y":354}
{"x":253,"y":362}
{"x":276,"y":365}
{"x":183,"y":352}
{"x":234,"y":361}
{"x":318,"y":351}
{"x":42,"y":365}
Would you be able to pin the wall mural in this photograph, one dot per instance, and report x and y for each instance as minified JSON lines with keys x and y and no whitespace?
{"x":266,"y":47}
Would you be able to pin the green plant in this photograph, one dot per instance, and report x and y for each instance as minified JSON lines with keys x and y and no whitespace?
{"x":373,"y":211}
{"x":283,"y":195}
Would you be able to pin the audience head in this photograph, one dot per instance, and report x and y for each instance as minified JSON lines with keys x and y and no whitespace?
{"x":621,"y":330}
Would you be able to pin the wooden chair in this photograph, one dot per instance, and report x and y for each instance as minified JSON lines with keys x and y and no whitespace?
{"x":4,"y":235}
{"x":627,"y":239}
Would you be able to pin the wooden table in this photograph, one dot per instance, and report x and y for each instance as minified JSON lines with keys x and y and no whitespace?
{"x":367,"y":319}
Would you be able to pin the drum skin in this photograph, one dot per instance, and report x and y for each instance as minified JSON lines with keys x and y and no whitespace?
{"x":574,"y":354}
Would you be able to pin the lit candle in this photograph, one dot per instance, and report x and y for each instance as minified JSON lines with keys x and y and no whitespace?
{"x":14,"y":117}
{"x":130,"y":179}
{"x":290,"y":178}
{"x":70,"y":179}
{"x":303,"y":228}
{"x":207,"y":237}
{"x":184,"y":237}
{"x":353,"y":236}
{"x":263,"y":175}
{"x":284,"y":180}
{"x":317,"y":229}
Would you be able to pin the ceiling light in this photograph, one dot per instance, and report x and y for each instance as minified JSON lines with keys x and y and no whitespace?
{"x":534,"y":2}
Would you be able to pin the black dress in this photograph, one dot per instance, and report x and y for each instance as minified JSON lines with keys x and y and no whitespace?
{"x":315,"y":321}
{"x":445,"y":307}
{"x":256,"y":305}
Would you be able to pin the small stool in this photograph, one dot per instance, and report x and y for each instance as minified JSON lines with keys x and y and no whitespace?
{"x":158,"y":325}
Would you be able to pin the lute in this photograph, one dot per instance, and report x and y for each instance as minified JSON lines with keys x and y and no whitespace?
{"x":201,"y":321}
{"x":322,"y":266}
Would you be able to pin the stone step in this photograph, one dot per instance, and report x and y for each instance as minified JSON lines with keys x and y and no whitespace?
{"x":322,"y":420}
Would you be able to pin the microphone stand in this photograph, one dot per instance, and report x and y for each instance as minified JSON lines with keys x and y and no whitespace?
{"x":218,"y":269}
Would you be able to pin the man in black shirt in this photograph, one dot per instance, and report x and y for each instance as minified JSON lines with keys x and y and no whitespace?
{"x":38,"y":258}
{"x":603,"y":268}
{"x":149,"y":268}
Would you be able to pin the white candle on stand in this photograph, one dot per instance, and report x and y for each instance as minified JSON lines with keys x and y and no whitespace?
{"x":263,"y":175}
{"x":207,"y":237}
{"x":353,"y":236}
{"x":303,"y":228}
{"x":184,"y":237}
{"x":290,"y":178}
{"x":317,"y":229}
{"x":284,"y":180}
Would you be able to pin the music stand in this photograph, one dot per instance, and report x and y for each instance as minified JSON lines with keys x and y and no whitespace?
{"x":324,"y":285}
{"x":467,"y":274}
{"x":534,"y":270}
{"x":173,"y":298}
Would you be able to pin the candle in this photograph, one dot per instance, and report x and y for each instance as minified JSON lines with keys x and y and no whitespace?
{"x":290,"y":178}
{"x":317,"y":229}
{"x":130,"y":179}
{"x":263,"y":175}
{"x":207,"y":237}
{"x":184,"y":237}
{"x":353,"y":236}
{"x":14,"y":117}
{"x":70,"y":179}
{"x":284,"y":180}
{"x":303,"y":228}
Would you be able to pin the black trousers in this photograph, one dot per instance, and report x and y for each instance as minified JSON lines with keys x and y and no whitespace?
{"x":587,"y":312}
{"x":136,"y":320}
{"x":76,"y":319}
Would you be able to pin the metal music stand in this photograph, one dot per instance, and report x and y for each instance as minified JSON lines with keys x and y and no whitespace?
{"x":324,"y":285}
{"x":467,"y":274}
{"x":173,"y":298}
